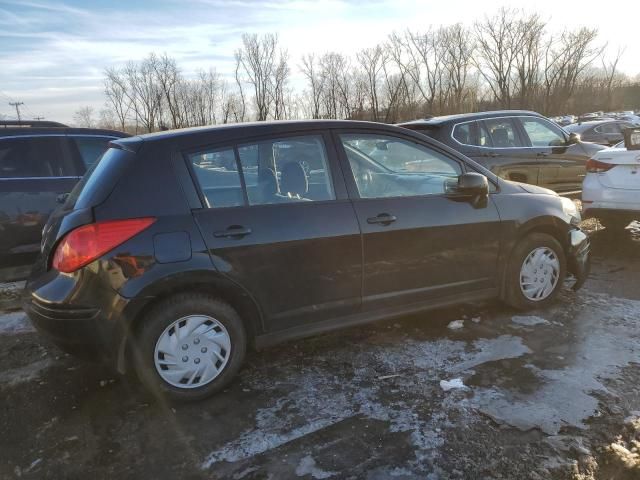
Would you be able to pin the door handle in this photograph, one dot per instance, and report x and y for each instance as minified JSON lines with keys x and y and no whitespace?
{"x":383,"y":219}
{"x":234,"y":231}
{"x":492,"y":154}
{"x":543,"y":154}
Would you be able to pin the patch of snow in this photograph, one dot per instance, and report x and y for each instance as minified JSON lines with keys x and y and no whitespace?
{"x":605,"y":339}
{"x":307,"y":466}
{"x":453,"y":384}
{"x":476,"y":319}
{"x":456,"y":325}
{"x":529,"y":320}
{"x":15,"y":322}
{"x":27,"y":373}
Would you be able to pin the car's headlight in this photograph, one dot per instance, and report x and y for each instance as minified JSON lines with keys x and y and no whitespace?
{"x":570,"y":209}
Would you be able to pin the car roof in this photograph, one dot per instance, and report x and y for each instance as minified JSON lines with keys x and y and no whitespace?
{"x":236,"y":131}
{"x":15,"y":131}
{"x":438,"y":121}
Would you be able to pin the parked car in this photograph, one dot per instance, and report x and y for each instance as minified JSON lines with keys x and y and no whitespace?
{"x":603,"y":132}
{"x":175,"y":266}
{"x":516,"y":145}
{"x":611,"y":190}
{"x":39,"y":163}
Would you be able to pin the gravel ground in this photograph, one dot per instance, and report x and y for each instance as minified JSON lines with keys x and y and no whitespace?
{"x":473,"y":392}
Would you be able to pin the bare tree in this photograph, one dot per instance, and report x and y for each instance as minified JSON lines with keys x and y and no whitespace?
{"x":119,"y":101}
{"x":499,"y":41}
{"x":314,"y":78}
{"x":83,"y":117}
{"x":265,"y":68}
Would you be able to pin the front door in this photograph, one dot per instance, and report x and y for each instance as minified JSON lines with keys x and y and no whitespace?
{"x":279,"y":223}
{"x":562,"y":166}
{"x":419,"y":242}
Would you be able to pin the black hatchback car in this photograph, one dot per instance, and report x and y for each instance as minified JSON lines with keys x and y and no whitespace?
{"x":183,"y":248}
{"x":39,"y":163}
{"x":516,"y":145}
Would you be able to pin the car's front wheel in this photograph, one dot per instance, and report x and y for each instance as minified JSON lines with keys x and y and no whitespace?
{"x":536,"y":272}
{"x":189,"y":347}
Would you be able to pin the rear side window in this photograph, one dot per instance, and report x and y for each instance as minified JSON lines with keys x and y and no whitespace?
{"x":286,"y":170}
{"x":34,"y":158}
{"x":503,"y":133}
{"x":217,"y":173}
{"x":91,"y":148}
{"x":463,"y":133}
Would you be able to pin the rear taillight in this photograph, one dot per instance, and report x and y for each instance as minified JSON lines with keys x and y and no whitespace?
{"x":594,"y":166}
{"x":89,"y":242}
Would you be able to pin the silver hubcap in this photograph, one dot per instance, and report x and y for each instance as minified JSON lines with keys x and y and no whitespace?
{"x":539,"y":274}
{"x":192,"y":351}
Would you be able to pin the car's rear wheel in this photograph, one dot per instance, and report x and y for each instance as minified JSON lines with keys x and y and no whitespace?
{"x":189,"y":347}
{"x":536,"y":272}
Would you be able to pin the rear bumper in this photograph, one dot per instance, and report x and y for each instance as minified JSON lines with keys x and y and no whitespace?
{"x":618,"y":212}
{"x":78,"y":331}
{"x":77,"y":314}
{"x":579,"y":257}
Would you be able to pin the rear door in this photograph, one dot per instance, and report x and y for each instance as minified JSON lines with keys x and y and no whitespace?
{"x":418,"y":242}
{"x":34,"y":173}
{"x":278,"y":222}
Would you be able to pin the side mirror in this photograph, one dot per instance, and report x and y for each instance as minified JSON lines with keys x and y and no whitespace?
{"x":472,"y":184}
{"x":632,"y":138}
{"x":573,"y":138}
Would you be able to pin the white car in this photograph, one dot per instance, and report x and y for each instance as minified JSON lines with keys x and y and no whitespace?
{"x":611,"y":187}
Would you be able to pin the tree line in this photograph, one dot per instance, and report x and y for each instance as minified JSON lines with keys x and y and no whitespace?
{"x":507,"y":60}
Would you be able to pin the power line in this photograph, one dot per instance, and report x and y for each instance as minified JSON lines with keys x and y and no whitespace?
{"x":17,"y":105}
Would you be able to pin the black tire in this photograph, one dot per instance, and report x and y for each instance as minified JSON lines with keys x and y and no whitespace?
{"x":514,"y":295}
{"x":160,"y":317}
{"x":613,"y":224}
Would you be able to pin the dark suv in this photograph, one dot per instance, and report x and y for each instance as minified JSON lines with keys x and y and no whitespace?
{"x":517,"y":145}
{"x":604,"y":132}
{"x":182,"y":248}
{"x":39,"y":163}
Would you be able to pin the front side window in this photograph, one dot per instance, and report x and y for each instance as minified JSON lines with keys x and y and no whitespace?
{"x":286,"y":170}
{"x":32,"y":157}
{"x":542,"y":134}
{"x":386,"y":166}
{"x":218,"y":176}
{"x":503,"y":133}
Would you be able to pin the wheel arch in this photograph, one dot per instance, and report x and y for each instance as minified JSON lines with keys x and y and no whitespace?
{"x":546,"y":224}
{"x":199,"y":281}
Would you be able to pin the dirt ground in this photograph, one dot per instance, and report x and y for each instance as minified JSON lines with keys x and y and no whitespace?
{"x":553,"y":394}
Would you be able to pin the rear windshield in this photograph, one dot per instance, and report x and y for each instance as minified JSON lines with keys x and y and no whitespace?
{"x":99,"y":180}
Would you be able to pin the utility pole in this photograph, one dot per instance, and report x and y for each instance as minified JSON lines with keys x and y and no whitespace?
{"x":17,"y":105}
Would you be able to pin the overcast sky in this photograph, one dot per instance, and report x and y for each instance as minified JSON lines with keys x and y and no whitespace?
{"x":53,"y":54}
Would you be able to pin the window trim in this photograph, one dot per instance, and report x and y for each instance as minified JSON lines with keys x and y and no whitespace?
{"x":502,"y":116}
{"x":336,"y":174}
